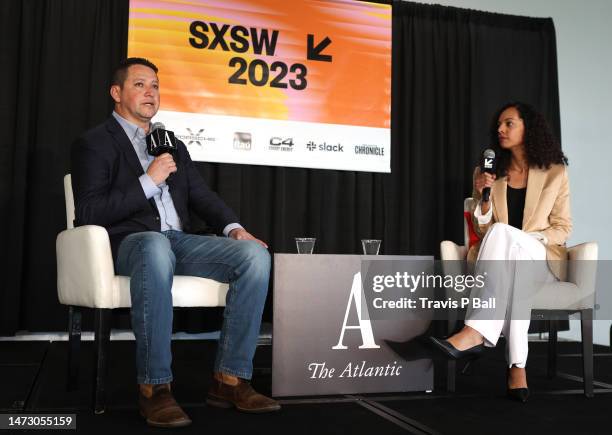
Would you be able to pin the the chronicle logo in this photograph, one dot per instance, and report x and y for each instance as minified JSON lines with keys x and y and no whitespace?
{"x":281,"y":143}
{"x":242,"y":141}
{"x":194,"y":137}
{"x":334,"y":148}
{"x":370,"y":150}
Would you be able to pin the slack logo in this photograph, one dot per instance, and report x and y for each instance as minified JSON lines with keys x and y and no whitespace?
{"x":333,"y":148}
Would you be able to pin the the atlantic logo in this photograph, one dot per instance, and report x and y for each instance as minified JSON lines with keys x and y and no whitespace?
{"x":356,"y":308}
{"x":370,"y":150}
{"x":242,"y":141}
{"x":356,"y":302}
{"x":195,"y":137}
{"x":281,"y":143}
{"x":334,"y":148}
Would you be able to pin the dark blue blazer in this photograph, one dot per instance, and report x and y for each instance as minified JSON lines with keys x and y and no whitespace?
{"x":107,"y":192}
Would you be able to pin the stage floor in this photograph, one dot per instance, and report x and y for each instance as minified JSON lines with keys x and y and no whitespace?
{"x":34,"y":376}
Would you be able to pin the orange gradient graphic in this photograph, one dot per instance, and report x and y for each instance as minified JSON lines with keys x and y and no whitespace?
{"x":353,"y":89}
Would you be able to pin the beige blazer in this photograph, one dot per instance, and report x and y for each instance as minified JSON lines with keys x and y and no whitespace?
{"x":547,"y":211}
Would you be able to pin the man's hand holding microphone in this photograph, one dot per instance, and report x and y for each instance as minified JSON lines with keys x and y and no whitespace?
{"x":161,"y":144}
{"x":161,"y":168}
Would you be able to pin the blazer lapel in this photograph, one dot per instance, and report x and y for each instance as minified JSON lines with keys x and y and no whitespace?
{"x":498,"y":193}
{"x":125,"y":145}
{"x":535,"y":183}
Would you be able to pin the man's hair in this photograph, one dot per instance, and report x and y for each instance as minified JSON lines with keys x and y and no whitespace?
{"x":120,"y":73}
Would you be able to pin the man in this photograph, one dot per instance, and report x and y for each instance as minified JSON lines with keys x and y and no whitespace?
{"x":144,"y":203}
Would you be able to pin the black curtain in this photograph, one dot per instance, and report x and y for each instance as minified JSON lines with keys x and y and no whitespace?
{"x":451,"y":69}
{"x":57,"y":57}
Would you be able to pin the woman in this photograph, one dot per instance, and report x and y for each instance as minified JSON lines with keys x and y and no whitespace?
{"x":526,"y":218}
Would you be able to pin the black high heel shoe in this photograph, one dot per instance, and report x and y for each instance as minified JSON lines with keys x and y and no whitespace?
{"x":454,"y":353}
{"x":518,"y":394}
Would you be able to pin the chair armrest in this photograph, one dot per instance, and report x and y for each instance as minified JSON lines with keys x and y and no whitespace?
{"x":582,"y":266}
{"x":451,"y":251}
{"x":452,"y":256}
{"x":85,"y":269}
{"x":583,"y":251}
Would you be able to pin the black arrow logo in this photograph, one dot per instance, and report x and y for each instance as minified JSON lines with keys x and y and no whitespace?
{"x":314,"y":52}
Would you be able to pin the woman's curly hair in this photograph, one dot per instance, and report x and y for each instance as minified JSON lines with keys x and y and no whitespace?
{"x":541,"y":147}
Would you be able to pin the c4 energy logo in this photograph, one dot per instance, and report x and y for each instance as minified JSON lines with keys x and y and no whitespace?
{"x":278,"y":143}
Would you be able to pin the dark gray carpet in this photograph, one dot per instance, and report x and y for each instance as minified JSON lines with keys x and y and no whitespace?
{"x":34,"y":376}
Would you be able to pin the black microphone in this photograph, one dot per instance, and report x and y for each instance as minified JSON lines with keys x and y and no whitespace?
{"x":159,"y":141}
{"x":487,"y":165}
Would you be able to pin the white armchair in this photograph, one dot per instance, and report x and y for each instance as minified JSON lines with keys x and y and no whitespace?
{"x":575,"y":295}
{"x":86,"y":278}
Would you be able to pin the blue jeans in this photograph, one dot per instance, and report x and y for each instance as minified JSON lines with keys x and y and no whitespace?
{"x":151,"y":260}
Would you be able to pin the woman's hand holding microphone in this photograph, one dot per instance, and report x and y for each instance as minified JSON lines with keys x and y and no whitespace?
{"x":482,"y":180}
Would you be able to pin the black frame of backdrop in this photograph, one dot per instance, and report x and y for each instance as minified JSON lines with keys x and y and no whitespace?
{"x":451,"y":69}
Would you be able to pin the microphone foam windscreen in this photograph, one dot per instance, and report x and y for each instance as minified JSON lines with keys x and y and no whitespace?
{"x":157,"y":126}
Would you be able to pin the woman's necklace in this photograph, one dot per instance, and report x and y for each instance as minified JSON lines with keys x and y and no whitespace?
{"x":519,"y":169}
{"x":517,"y":177}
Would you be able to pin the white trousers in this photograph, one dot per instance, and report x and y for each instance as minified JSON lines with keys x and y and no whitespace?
{"x":509,"y":244}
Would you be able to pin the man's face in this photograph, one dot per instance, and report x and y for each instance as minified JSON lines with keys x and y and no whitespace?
{"x":138,"y":99}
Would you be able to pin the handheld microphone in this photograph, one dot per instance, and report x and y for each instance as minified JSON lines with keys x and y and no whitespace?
{"x":159,"y":141}
{"x":487,"y":165}
{"x":156,"y":125}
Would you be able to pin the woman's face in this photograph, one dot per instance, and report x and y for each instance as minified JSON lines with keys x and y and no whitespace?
{"x":510,"y":129}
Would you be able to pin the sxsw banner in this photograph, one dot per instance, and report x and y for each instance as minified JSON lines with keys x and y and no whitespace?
{"x":301,"y":83}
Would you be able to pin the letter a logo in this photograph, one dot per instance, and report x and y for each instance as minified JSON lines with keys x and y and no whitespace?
{"x":365,"y":326}
{"x":167,"y":141}
{"x":153,"y":141}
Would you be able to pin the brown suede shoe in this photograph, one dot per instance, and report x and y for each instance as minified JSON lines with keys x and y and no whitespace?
{"x":158,"y":406}
{"x":241,"y":395}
